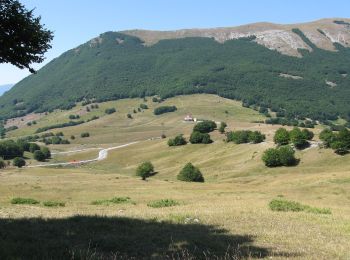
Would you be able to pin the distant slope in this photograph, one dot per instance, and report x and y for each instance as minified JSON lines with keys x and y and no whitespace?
{"x":116,"y":65}
{"x":4,"y":88}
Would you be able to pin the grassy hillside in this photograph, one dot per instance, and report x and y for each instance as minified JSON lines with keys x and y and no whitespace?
{"x":115,"y":66}
{"x":226,"y":216}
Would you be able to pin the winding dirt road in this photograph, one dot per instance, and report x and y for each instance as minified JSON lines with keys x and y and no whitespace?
{"x":102,"y":154}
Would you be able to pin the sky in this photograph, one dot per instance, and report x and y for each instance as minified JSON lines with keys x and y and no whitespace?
{"x":77,"y":21}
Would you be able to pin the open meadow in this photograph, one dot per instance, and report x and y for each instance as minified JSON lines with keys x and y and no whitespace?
{"x":101,"y":210}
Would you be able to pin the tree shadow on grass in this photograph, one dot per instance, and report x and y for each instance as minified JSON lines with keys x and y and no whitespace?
{"x":86,"y":237}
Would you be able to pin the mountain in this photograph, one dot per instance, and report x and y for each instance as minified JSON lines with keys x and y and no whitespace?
{"x":4,"y":88}
{"x":298,"y":70}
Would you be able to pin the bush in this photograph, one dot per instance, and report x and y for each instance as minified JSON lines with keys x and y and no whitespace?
{"x":129,"y":116}
{"x":190,"y":173}
{"x":245,"y":136}
{"x":200,"y":138}
{"x":46,"y":152}
{"x":308,"y":135}
{"x":205,"y":127}
{"x":286,"y":205}
{"x":164,"y":109}
{"x":298,"y":138}
{"x":145,"y":170}
{"x":2,"y":163}
{"x":222,"y":127}
{"x":24,"y":201}
{"x":143,"y":106}
{"x":39,"y":156}
{"x":177,"y":141}
{"x":109,"y":111}
{"x":33,"y":147}
{"x":52,"y":203}
{"x":163,"y":203}
{"x":84,"y":135}
{"x":281,"y":137}
{"x":282,"y":156}
{"x":9,"y":150}
{"x":115,"y":200}
{"x":72,"y":137}
{"x":256,"y":137}
{"x":19,"y":162}
{"x":72,"y":117}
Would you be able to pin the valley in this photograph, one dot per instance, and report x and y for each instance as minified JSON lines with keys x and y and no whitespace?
{"x":228,"y":214}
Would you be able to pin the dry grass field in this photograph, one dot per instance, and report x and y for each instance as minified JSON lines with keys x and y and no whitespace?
{"x":226,"y":217}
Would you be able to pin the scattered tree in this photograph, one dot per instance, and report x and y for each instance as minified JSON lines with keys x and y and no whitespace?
{"x":222,"y":127}
{"x":33,"y":147}
{"x":39,"y":156}
{"x":19,"y":162}
{"x":281,"y":156}
{"x":200,"y":138}
{"x":145,"y":170}
{"x":84,"y":135}
{"x":281,"y":137}
{"x":205,"y":126}
{"x":46,"y":152}
{"x":190,"y":173}
{"x":177,"y":141}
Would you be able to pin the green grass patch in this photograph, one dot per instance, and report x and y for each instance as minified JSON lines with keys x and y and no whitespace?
{"x":163,"y":203}
{"x":115,"y":200}
{"x":52,"y":203}
{"x":287,"y":205}
{"x":28,"y":201}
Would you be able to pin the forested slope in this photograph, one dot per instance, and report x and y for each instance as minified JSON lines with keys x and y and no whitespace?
{"x":116,"y":65}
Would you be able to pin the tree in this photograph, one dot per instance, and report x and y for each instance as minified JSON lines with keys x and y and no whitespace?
{"x":23,"y":40}
{"x":205,"y":126}
{"x":143,"y":106}
{"x":19,"y":162}
{"x":129,"y":116}
{"x":33,"y":147}
{"x":46,"y":151}
{"x":200,"y":138}
{"x":190,"y":173}
{"x":327,"y":136}
{"x":222,"y":127}
{"x":271,"y":158}
{"x":286,"y":155}
{"x":308,"y":135}
{"x":84,"y":135}
{"x":177,"y":141}
{"x":39,"y":156}
{"x":281,"y":136}
{"x":256,"y":137}
{"x":145,"y":170}
{"x":298,"y":138}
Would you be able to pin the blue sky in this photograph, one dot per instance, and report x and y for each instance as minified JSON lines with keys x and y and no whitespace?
{"x":76,"y":21}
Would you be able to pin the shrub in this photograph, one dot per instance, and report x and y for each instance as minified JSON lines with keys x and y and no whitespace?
{"x":177,"y":141}
{"x":163,"y":203}
{"x":256,"y":137}
{"x":24,"y":201}
{"x":200,"y":138}
{"x":109,"y":111}
{"x":281,"y":137}
{"x":129,"y":116}
{"x":39,"y":156}
{"x":282,"y":156}
{"x":115,"y":200}
{"x":72,"y":117}
{"x":46,"y":151}
{"x":19,"y":162}
{"x":70,"y":123}
{"x":9,"y":150}
{"x":245,"y":136}
{"x":190,"y":173}
{"x":286,"y":205}
{"x":164,"y":109}
{"x":308,"y":135}
{"x":33,"y":147}
{"x":2,"y":163}
{"x":52,"y":203}
{"x":84,"y":135}
{"x":222,"y":127}
{"x":72,"y":137}
{"x":205,"y":126}
{"x":143,"y":106}
{"x":298,"y":138}
{"x":145,"y":170}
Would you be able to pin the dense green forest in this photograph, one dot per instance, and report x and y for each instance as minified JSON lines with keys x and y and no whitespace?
{"x":116,"y":66}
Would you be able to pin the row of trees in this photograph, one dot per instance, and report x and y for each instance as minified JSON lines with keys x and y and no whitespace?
{"x":164,"y":109}
{"x":189,"y":172}
{"x":299,"y":138}
{"x":245,"y":136}
{"x":339,"y":142}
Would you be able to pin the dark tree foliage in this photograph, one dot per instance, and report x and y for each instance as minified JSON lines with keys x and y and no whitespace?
{"x":190,"y":173}
{"x":200,"y":138}
{"x":46,"y":152}
{"x":245,"y":136}
{"x":39,"y":156}
{"x":143,"y":106}
{"x":339,"y":142}
{"x":9,"y":150}
{"x":222,"y":127}
{"x":205,"y":126}
{"x":164,"y":109}
{"x":23,"y":40}
{"x":19,"y":162}
{"x":33,"y":147}
{"x":109,"y":111}
{"x":145,"y":170}
{"x":281,"y":136}
{"x":298,"y":138}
